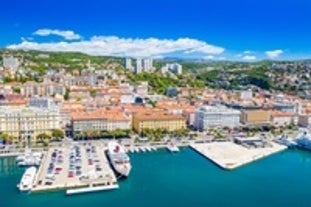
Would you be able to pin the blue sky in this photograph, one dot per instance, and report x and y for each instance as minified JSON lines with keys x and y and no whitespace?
{"x":222,"y":29}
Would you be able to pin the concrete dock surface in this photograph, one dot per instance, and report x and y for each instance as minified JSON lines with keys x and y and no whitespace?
{"x":229,"y":155}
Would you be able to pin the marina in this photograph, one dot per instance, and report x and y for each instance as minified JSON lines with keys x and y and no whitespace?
{"x":229,"y":155}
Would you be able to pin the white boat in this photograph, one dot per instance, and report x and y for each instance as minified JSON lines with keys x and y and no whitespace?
{"x":29,"y":158}
{"x":143,"y":149}
{"x":119,"y":160}
{"x":304,"y":141}
{"x":27,"y":180}
{"x":172,"y":147}
{"x":136,"y":149}
{"x":148,"y":149}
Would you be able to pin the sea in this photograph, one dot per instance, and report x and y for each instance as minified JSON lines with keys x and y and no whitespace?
{"x":184,"y":179}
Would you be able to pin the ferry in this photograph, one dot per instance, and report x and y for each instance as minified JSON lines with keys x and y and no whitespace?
{"x":119,"y":160}
{"x":27,"y":180}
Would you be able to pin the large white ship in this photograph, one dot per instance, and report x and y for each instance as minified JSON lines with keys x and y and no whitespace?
{"x":27,"y":180}
{"x":304,"y":140}
{"x":119,"y":160}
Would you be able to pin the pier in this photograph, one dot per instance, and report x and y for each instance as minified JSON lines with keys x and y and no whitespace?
{"x":77,"y":166}
{"x":229,"y":155}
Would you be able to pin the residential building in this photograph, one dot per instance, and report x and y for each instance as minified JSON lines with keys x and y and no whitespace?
{"x":153,"y":121}
{"x":173,"y":67}
{"x":148,"y":65}
{"x":279,"y":118}
{"x":138,"y":68}
{"x":128,"y":64}
{"x":10,"y":62}
{"x":216,"y":116}
{"x":304,"y":120}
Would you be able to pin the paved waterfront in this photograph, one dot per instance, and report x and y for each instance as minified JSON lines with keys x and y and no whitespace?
{"x":91,"y":167}
{"x":229,"y":155}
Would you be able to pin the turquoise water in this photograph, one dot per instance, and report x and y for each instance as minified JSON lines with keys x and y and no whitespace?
{"x":183,"y":179}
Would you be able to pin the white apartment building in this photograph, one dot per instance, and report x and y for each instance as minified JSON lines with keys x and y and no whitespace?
{"x":173,"y":67}
{"x":128,"y":64}
{"x":216,"y":116}
{"x":148,"y":65}
{"x":138,"y":68}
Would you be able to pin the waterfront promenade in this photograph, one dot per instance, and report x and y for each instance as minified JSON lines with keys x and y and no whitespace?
{"x":229,"y":155}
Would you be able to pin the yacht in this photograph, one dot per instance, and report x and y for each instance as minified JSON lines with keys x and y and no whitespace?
{"x":304,"y":140}
{"x":27,"y":180}
{"x":119,"y":160}
{"x":29,"y":159}
{"x":172,"y":147}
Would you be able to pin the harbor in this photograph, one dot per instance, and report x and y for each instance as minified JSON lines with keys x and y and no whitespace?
{"x":229,"y":155}
{"x":74,"y":167}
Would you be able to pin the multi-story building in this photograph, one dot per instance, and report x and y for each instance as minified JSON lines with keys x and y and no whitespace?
{"x":280,"y":118}
{"x":10,"y":62}
{"x":42,"y":89}
{"x":173,"y":67}
{"x":99,"y":120}
{"x":142,"y":89}
{"x":254,"y":117}
{"x":148,"y":65}
{"x":216,"y":116}
{"x":128,"y":64}
{"x":138,"y":68}
{"x":148,"y":120}
{"x":26,"y":123}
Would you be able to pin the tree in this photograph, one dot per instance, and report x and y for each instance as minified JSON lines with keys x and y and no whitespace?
{"x":43,"y":137}
{"x":58,"y":133}
{"x":93,"y":92}
{"x":66,"y":96}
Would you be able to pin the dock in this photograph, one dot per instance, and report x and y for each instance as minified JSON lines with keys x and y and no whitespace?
{"x":60,"y":169}
{"x":91,"y":189}
{"x":229,"y":155}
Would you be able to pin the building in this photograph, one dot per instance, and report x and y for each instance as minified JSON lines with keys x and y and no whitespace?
{"x":148,"y":65}
{"x":216,"y":116}
{"x":254,"y":117}
{"x":10,"y":62}
{"x":31,"y":88}
{"x":142,"y":89}
{"x":159,"y":120}
{"x":26,"y":123}
{"x":128,"y":64}
{"x":42,"y":102}
{"x":173,"y":67}
{"x":304,"y":120}
{"x":138,"y":68}
{"x":100,"y":120}
{"x":279,"y":118}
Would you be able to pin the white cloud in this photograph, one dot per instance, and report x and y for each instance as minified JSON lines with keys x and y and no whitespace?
{"x":115,"y":46}
{"x":274,"y":53}
{"x":209,"y":57}
{"x":248,"y":52}
{"x":66,"y":34}
{"x":249,"y":57}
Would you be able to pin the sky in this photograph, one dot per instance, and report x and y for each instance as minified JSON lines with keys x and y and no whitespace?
{"x":246,"y":30}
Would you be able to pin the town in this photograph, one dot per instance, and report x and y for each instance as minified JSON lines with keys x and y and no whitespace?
{"x":73,"y":105}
